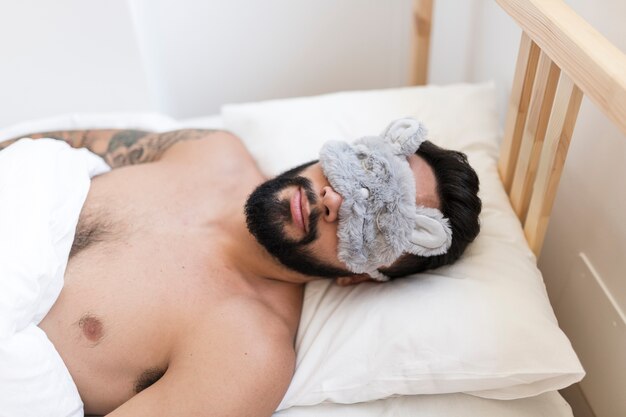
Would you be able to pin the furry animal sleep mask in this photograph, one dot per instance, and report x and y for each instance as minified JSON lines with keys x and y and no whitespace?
{"x":378,"y":218}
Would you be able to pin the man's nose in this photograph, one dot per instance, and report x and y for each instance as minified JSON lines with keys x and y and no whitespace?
{"x":331,"y":201}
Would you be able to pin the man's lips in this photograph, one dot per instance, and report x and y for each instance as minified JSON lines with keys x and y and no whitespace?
{"x":296,"y":209}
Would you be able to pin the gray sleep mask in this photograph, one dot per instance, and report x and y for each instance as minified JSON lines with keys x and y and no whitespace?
{"x":378,"y":218}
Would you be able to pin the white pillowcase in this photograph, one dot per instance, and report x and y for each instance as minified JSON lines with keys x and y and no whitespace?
{"x":281,"y":133}
{"x":482,"y":326}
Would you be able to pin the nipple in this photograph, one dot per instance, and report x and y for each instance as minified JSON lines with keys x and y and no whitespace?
{"x":91,"y":326}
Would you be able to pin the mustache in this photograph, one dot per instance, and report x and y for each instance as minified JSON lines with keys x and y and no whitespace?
{"x":284,"y":209}
{"x":268,"y":200}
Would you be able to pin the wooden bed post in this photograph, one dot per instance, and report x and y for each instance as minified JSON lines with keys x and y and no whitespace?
{"x":420,"y":46}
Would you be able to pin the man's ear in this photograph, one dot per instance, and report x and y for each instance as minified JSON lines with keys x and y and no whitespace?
{"x":353,"y":280}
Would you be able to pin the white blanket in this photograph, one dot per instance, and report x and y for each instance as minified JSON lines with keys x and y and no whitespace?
{"x":43,"y":185}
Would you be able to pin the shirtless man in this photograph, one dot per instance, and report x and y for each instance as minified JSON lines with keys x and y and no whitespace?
{"x":170,"y":305}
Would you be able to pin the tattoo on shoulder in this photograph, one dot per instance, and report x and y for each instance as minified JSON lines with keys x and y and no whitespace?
{"x":131,"y":147}
{"x":125,"y":138}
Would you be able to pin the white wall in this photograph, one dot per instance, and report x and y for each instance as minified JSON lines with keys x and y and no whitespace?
{"x":187,"y":57}
{"x":67,"y":56}
{"x":473,"y":41}
{"x":201,"y":54}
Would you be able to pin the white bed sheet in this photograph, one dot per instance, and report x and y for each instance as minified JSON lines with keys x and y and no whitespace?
{"x":549,"y":404}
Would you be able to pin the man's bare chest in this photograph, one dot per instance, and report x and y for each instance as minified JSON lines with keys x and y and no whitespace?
{"x":145,"y":265}
{"x":150,"y":240}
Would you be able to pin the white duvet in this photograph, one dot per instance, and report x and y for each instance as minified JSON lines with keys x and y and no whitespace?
{"x":43,"y":185}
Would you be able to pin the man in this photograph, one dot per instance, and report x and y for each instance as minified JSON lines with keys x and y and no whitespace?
{"x":171,"y":306}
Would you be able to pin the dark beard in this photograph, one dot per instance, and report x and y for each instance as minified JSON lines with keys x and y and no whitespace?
{"x":266,"y":216}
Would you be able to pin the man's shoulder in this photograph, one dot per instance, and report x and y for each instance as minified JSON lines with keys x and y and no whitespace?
{"x":219,"y":154}
{"x":207,"y":143}
{"x":244,"y":346}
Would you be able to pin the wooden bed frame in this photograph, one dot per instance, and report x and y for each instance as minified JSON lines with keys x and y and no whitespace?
{"x":561,"y":58}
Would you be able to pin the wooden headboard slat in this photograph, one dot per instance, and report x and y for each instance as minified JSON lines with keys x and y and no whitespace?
{"x":523,"y":81}
{"x":555,"y":147}
{"x":594,"y":64}
{"x":542,"y":97}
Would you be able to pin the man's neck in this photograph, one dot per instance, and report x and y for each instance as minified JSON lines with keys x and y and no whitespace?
{"x":280,"y":288}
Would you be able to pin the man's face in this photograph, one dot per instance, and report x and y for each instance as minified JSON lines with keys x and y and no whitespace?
{"x":295,"y":216}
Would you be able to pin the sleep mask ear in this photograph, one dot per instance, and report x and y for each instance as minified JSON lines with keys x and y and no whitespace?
{"x":404,"y":136}
{"x":432,"y":234}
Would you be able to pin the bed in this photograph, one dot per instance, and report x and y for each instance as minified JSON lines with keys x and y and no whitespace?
{"x":478,"y":338}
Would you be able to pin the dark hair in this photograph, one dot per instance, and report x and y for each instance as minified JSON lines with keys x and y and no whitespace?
{"x":457,"y":187}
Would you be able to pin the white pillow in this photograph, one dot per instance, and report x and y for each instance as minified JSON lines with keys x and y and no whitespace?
{"x":482,"y":326}
{"x":281,"y":133}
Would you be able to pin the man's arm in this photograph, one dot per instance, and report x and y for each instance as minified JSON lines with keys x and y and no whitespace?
{"x":121,"y":147}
